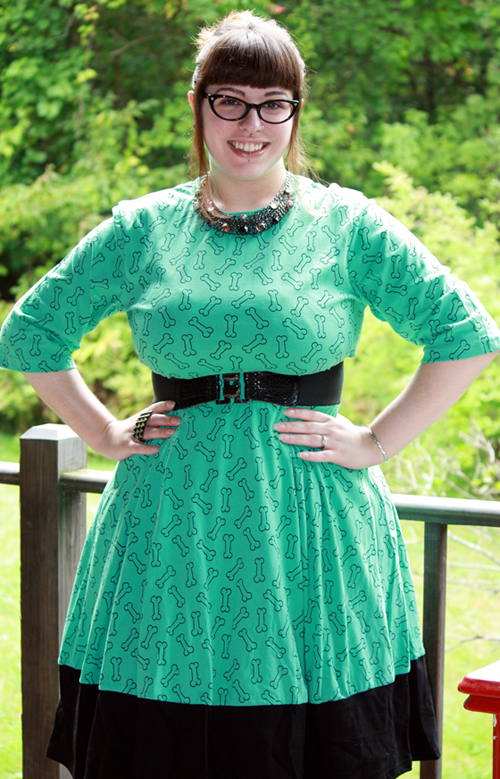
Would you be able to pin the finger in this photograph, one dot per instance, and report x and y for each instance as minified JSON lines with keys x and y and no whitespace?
{"x":162,"y":406}
{"x":315,"y":441}
{"x":138,"y":448}
{"x":307,"y":414}
{"x":161,"y":430}
{"x":318,"y":456}
{"x":163,"y":420}
{"x":146,"y":448}
{"x":307,"y":428}
{"x":151,"y":433}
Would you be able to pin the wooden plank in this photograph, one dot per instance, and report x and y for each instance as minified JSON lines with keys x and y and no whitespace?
{"x":9,"y":473}
{"x":52,"y":534}
{"x":434,"y":628}
{"x":85,"y":480}
{"x":448,"y":511}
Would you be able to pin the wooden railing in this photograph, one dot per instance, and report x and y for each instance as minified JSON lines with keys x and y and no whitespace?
{"x":53,"y":480}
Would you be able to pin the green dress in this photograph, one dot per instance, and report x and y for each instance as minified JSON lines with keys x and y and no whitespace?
{"x":225,"y":570}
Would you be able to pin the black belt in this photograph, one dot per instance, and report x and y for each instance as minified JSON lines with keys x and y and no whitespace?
{"x":315,"y":389}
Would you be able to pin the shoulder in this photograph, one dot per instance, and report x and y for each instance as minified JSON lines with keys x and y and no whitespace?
{"x":155,"y":204}
{"x":327,"y":197}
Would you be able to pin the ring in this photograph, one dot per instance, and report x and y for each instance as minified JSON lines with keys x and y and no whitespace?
{"x":140,"y":425}
{"x":324,"y":439}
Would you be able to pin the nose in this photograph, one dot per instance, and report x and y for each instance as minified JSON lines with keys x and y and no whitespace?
{"x":251,"y":121}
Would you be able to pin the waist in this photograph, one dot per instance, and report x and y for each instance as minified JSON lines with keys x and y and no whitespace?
{"x":315,"y":389}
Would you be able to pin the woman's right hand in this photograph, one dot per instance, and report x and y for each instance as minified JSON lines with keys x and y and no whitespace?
{"x":66,"y":393}
{"x":118,"y":442}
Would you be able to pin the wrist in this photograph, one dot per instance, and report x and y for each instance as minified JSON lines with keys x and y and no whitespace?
{"x":99,"y":434}
{"x":378,"y":444}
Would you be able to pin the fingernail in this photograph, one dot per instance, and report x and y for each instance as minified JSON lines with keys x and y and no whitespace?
{"x":279,"y":426}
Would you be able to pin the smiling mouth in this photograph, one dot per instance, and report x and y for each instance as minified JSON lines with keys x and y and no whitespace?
{"x":248,"y":147}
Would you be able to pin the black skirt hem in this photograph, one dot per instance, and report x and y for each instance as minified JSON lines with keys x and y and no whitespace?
{"x":371,"y":735}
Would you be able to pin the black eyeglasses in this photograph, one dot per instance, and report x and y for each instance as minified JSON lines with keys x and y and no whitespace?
{"x":232,"y":109}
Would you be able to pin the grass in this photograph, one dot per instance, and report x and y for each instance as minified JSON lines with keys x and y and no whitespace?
{"x":473,"y":631}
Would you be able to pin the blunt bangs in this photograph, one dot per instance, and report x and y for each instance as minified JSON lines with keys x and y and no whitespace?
{"x":247,"y":58}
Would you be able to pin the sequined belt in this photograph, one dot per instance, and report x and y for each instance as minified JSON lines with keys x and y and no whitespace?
{"x":315,"y":389}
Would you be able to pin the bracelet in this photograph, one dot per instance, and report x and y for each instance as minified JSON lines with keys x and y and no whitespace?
{"x":140,"y":425}
{"x":378,"y":444}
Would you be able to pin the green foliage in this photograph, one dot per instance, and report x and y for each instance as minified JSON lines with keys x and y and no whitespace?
{"x":458,"y":154}
{"x":42,"y":68}
{"x":389,"y":57}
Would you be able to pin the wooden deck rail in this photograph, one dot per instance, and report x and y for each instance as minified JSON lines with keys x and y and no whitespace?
{"x":53,"y":480}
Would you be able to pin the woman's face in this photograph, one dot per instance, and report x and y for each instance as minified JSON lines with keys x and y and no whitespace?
{"x":249,"y":148}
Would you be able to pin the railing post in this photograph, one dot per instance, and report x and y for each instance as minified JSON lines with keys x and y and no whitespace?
{"x":434,"y":627}
{"x":52,"y":534}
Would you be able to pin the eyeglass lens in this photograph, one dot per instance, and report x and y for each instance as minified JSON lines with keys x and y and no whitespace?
{"x":232,"y":109}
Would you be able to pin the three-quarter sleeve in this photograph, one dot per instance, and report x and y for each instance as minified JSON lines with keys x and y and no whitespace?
{"x":393,"y":273}
{"x":49,"y":321}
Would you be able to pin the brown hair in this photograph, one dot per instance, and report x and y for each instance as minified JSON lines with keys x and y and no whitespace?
{"x":246,"y":50}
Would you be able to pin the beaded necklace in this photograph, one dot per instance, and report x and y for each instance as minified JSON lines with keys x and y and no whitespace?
{"x":243,"y":224}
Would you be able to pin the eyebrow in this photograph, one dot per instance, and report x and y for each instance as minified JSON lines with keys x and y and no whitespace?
{"x":269,"y":93}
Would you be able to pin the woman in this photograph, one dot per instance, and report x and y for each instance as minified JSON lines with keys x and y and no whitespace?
{"x":243,"y":606}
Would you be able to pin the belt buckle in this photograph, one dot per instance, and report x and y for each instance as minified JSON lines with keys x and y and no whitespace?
{"x":231,"y":388}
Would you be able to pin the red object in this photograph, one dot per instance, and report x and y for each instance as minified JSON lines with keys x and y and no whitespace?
{"x":483,"y":688}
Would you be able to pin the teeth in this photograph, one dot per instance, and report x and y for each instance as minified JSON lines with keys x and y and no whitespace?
{"x":248,"y":146}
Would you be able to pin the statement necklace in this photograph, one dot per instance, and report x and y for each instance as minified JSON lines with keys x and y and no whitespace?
{"x":243,"y":224}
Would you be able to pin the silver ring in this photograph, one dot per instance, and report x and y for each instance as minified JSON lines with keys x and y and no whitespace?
{"x":324,"y":439}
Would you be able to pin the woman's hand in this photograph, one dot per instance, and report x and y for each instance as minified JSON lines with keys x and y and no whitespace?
{"x":118,"y":442}
{"x":66,"y":393}
{"x":434,"y":388}
{"x":332,"y":439}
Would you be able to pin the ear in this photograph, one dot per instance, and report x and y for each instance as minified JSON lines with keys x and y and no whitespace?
{"x":191,"y":99}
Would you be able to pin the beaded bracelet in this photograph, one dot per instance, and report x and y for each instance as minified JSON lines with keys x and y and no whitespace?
{"x":378,"y":444}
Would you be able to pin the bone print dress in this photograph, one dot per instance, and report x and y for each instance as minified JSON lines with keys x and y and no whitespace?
{"x":225,"y":574}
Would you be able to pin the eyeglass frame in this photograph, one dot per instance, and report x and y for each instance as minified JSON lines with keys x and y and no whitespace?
{"x":211,"y":98}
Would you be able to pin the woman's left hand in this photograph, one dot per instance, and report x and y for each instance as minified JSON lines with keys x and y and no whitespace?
{"x":332,"y":439}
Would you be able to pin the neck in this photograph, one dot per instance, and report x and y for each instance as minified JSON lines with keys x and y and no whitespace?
{"x":234,"y":195}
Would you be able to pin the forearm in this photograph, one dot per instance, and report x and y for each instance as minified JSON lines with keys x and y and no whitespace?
{"x":68,"y":396}
{"x":66,"y":393}
{"x":433,"y":390}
